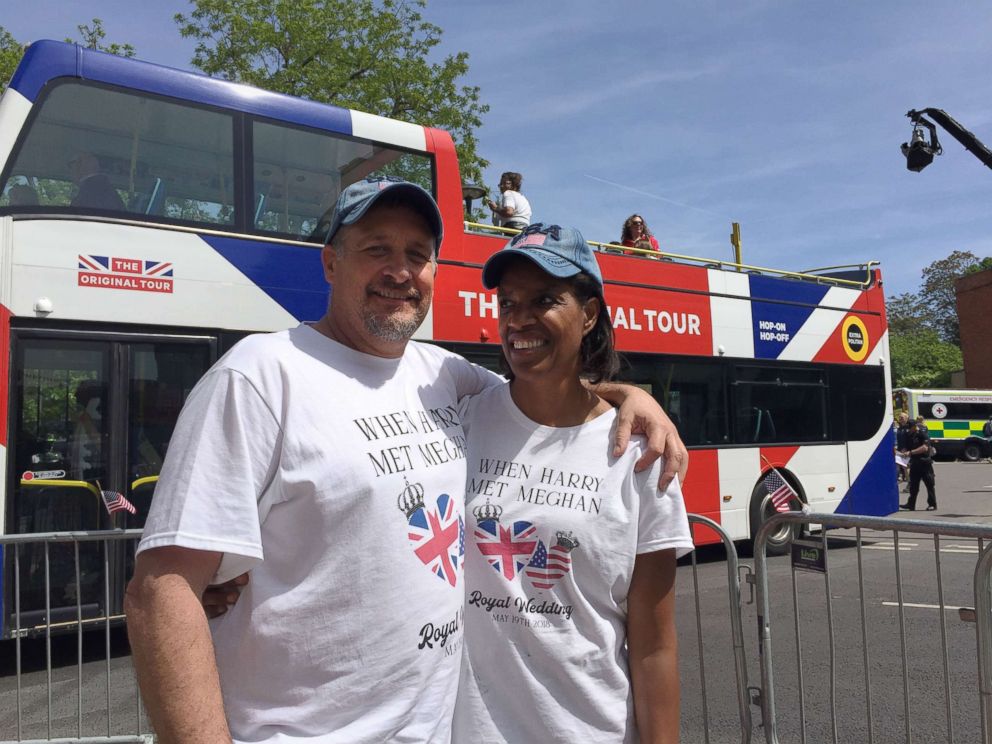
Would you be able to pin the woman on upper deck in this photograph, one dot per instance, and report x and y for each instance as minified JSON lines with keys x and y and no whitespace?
{"x":636,"y":234}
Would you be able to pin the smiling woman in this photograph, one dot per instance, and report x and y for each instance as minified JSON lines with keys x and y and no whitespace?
{"x":570,"y":568}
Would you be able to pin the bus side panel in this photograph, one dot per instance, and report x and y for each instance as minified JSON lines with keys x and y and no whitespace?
{"x":14,"y":110}
{"x":644,"y":319}
{"x":701,"y":491}
{"x":463,"y":311}
{"x":662,"y":320}
{"x":99,"y":272}
{"x":449,"y":194}
{"x":856,"y":337}
{"x":822,"y":473}
{"x":875,"y":489}
{"x":740,"y":469}
{"x":732,"y":326}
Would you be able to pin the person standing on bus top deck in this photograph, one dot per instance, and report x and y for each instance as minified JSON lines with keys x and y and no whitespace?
{"x":920,"y":467}
{"x":513,"y":209}
{"x":289,"y":459}
{"x":636,"y":234}
{"x":94,"y":190}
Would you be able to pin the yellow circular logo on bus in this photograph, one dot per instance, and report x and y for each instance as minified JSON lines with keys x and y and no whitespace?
{"x":854,"y":337}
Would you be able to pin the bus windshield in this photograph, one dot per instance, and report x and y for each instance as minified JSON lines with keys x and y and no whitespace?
{"x":94,"y":149}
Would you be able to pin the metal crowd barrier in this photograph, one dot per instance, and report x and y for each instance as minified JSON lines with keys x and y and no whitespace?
{"x":42,"y":709}
{"x":50,"y":706}
{"x":888,"y":674}
{"x":697,"y":694}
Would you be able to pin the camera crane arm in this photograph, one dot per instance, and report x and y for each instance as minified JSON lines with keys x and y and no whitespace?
{"x":971,"y":143}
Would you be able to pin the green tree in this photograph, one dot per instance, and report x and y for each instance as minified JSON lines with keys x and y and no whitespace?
{"x":91,"y":36}
{"x":921,"y":359}
{"x":11,"y":52}
{"x":983,"y":265}
{"x":905,"y":314}
{"x":370,"y":55}
{"x":937,"y":292}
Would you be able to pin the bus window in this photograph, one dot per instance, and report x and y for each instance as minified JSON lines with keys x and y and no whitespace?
{"x":779,"y":405}
{"x":161,"y":378}
{"x":299,"y":173}
{"x":693,"y":394}
{"x":90,"y":416}
{"x":857,"y":396}
{"x":951,"y":409}
{"x":900,"y":402}
{"x":61,"y":431}
{"x":93,"y":149}
{"x":61,"y":462}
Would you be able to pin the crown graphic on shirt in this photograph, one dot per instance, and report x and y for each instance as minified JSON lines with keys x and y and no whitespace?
{"x":410,"y":499}
{"x":487,"y":511}
{"x":566,"y":540}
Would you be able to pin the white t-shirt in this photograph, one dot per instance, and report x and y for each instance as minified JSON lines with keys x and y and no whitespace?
{"x":520,"y":206}
{"x":337,"y":478}
{"x":546,"y":583}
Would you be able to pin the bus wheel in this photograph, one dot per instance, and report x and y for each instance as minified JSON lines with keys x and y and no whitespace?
{"x":780,"y":540}
{"x":971,"y":452}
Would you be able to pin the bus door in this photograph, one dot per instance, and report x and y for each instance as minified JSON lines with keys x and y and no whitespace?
{"x":91,"y":415}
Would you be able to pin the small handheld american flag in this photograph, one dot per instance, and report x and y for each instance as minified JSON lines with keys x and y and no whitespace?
{"x":779,"y":491}
{"x":115,"y":501}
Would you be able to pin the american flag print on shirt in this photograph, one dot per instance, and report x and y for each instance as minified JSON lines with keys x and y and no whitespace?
{"x":548,"y":566}
{"x":507,"y":549}
{"x":437,"y":534}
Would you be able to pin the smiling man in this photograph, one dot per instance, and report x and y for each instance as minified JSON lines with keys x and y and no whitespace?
{"x":329,"y":461}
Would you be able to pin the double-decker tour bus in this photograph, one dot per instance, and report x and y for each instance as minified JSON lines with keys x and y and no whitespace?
{"x":955,"y":419}
{"x":150,"y":217}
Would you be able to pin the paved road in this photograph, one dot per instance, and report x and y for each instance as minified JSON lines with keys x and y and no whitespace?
{"x":964,"y":495}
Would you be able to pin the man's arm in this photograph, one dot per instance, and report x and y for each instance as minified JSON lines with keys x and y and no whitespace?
{"x":171,"y":646}
{"x":640,"y":414}
{"x":652,"y":644}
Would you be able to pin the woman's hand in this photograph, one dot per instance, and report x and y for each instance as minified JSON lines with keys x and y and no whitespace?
{"x":218,"y":598}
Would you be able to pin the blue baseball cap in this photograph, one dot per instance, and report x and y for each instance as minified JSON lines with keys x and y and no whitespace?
{"x":559,"y":251}
{"x":358,"y":198}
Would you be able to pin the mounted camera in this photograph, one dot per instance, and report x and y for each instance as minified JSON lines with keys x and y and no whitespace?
{"x":918,"y":152}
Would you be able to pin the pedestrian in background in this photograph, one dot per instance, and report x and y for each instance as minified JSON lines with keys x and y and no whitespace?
{"x":920,"y":467}
{"x":902,"y":441}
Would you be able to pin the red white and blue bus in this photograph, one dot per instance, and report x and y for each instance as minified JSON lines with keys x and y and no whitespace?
{"x":151,"y":217}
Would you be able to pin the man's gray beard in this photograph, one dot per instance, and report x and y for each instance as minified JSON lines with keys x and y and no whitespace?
{"x":393,"y":329}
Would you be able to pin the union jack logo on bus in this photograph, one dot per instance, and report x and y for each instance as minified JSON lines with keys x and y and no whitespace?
{"x":114,"y":272}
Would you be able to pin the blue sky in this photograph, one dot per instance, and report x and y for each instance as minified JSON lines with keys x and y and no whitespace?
{"x":783,"y":116}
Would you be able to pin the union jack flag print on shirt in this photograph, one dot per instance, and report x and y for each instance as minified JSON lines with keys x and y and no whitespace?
{"x":508,"y":549}
{"x":438,"y":537}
